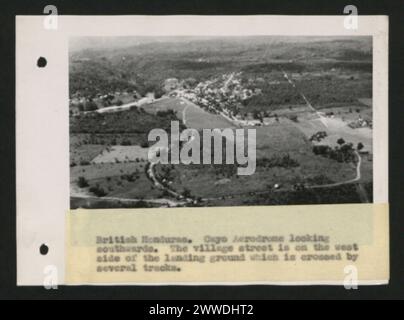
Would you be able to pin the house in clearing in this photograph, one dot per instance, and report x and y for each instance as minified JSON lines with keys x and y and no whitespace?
{"x":171,"y":84}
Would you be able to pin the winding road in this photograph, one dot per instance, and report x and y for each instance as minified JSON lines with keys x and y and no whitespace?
{"x":152,"y":175}
{"x":357,"y":178}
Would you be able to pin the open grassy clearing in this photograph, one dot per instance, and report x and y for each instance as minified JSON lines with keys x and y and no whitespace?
{"x":195,"y":117}
{"x":116,"y":154}
{"x":165,"y":104}
{"x":336,"y":129}
{"x":84,"y":154}
{"x":281,"y":137}
{"x":199,"y":119}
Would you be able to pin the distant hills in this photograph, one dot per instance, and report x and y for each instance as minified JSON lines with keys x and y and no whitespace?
{"x":102,"y":64}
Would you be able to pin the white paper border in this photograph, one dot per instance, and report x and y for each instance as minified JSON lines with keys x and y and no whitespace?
{"x":42,"y":128}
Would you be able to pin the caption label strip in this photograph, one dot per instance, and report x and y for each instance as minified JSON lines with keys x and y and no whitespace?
{"x":246,"y":244}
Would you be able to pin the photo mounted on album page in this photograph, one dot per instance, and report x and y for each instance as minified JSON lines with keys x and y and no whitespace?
{"x":202,"y":150}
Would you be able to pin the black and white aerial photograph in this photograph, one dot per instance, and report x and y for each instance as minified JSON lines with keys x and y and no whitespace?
{"x":196,"y":150}
{"x":308,"y":101}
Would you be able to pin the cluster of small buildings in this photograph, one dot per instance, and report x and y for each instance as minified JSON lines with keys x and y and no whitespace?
{"x":223,"y":95}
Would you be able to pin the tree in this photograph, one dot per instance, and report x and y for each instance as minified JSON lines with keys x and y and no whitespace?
{"x":293,"y":118}
{"x":82,"y":182}
{"x":340,"y":141}
{"x":190,"y":82}
{"x":98,"y":191}
{"x":80,"y":107}
{"x":90,"y":106}
{"x":360,"y":146}
{"x":256,"y":115}
{"x":85,"y":163}
{"x":186,"y":193}
{"x":158,"y":92}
